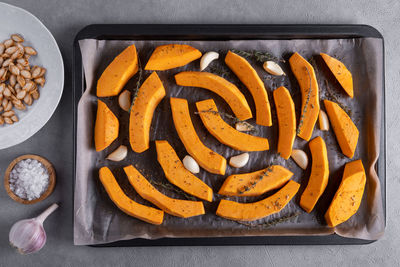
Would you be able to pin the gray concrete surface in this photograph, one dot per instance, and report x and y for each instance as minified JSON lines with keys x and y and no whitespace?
{"x":66,"y":18}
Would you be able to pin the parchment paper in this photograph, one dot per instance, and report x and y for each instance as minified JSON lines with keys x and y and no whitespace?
{"x":98,"y":220}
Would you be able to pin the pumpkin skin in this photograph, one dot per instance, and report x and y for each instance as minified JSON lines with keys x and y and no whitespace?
{"x":205,"y":157}
{"x":124,"y":203}
{"x":171,"y":56}
{"x":106,"y":127}
{"x":305,"y":75}
{"x":178,"y":175}
{"x":228,"y":91}
{"x":249,"y":77}
{"x":253,"y":211}
{"x":116,"y":75}
{"x":149,"y":96}
{"x":176,"y":207}
{"x":348,"y":197}
{"x":319,"y":175}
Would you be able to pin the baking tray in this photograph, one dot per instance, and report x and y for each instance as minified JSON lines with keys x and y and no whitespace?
{"x":228,"y":32}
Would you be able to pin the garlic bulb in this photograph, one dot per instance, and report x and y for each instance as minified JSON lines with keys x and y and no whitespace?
{"x":323,"y":121}
{"x":118,"y":154}
{"x":300,"y":157}
{"x":207,"y":58}
{"x":273,"y":68}
{"x":29,"y":236}
{"x":239,"y":160}
{"x":124,"y":100}
{"x":190,"y":164}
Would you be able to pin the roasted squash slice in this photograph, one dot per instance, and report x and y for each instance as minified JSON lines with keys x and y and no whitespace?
{"x":178,"y":175}
{"x":225,"y":133}
{"x":148,"y":97}
{"x":207,"y":159}
{"x":341,"y":73}
{"x":120,"y":70}
{"x":124,"y":203}
{"x":348,"y":197}
{"x":253,"y":211}
{"x":176,"y":207}
{"x":228,"y":91}
{"x":256,"y":183}
{"x":305,"y":75}
{"x":106,"y":127}
{"x":249,"y":77}
{"x":345,"y":130}
{"x":171,"y":56}
{"x":319,"y":175}
{"x":286,"y":120}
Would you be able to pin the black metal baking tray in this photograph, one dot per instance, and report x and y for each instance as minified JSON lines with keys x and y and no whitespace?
{"x":228,"y":32}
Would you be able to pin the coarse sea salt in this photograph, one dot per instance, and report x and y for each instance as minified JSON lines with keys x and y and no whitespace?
{"x":29,"y":179}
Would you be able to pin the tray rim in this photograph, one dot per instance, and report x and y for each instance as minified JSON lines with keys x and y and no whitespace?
{"x":226,"y":31}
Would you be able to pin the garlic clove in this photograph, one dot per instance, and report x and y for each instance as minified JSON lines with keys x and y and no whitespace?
{"x":300,"y":157}
{"x":118,"y":154}
{"x":239,"y":160}
{"x":207,"y":58}
{"x":190,"y":164}
{"x":323,"y":121}
{"x":124,"y":100}
{"x":273,"y":68}
{"x":243,"y":127}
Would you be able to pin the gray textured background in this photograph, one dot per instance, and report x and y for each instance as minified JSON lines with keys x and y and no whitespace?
{"x":65,"y":18}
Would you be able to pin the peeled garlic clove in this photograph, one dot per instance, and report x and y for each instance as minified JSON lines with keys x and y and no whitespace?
{"x":118,"y":154}
{"x":300,"y":157}
{"x":323,"y":121}
{"x":207,"y":58}
{"x":239,"y":160}
{"x":190,"y":164}
{"x":124,"y":100}
{"x":243,"y":127}
{"x":273,"y":68}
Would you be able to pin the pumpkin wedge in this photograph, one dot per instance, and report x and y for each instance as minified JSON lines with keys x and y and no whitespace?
{"x":176,"y":207}
{"x":348,"y":197}
{"x":205,"y":157}
{"x":228,"y":91}
{"x":106,"y":127}
{"x":249,"y":77}
{"x":124,"y":203}
{"x":345,"y":130}
{"x":178,"y":175}
{"x":319,"y":175}
{"x":148,"y":97}
{"x":120,"y":70}
{"x":305,"y":75}
{"x":225,"y":133}
{"x":253,"y":211}
{"x":256,"y":183}
{"x":341,"y":73}
{"x":286,"y":120}
{"x":171,"y":56}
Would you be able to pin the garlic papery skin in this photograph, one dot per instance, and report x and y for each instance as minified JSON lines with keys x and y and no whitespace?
{"x":118,"y":154}
{"x":300,"y":157}
{"x":273,"y":68}
{"x":191,"y":164}
{"x":323,"y":121}
{"x":29,"y":236}
{"x":207,"y":58}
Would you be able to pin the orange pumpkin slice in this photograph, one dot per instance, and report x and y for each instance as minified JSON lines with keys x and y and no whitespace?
{"x":228,"y":91}
{"x":176,"y":207}
{"x":124,"y":203}
{"x":348,"y":197}
{"x":120,"y":70}
{"x":305,"y":75}
{"x":253,"y":211}
{"x":178,"y":175}
{"x":256,"y":183}
{"x":319,"y":175}
{"x":148,"y":97}
{"x":287,"y":121}
{"x":345,"y":130}
{"x":106,"y":127}
{"x":205,"y":157}
{"x":171,"y":56}
{"x":341,"y":73}
{"x":225,"y":133}
{"x":249,"y":77}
